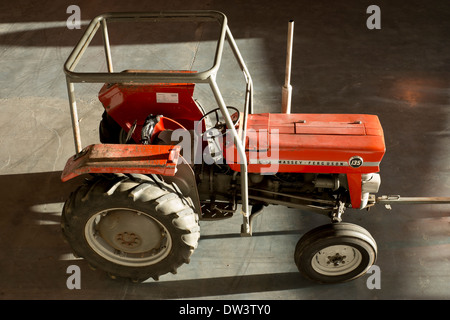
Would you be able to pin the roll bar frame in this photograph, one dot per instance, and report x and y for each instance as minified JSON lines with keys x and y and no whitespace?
{"x":206,"y":76}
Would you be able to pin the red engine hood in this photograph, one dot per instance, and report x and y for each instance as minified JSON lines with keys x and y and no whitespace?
{"x":320,"y":143}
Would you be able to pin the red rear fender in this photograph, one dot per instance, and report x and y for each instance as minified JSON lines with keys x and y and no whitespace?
{"x":123,"y":158}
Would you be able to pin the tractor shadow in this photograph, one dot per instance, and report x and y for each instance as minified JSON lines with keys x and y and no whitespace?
{"x":34,"y":256}
{"x":263,"y":285}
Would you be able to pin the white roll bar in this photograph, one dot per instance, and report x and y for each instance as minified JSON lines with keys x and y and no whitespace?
{"x":206,"y":76}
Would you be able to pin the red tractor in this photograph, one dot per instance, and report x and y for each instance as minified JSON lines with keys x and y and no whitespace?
{"x":164,"y":164}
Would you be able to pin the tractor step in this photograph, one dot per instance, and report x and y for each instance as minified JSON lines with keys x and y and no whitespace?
{"x":217,"y":210}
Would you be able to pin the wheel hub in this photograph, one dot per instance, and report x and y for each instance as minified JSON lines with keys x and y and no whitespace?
{"x":128,"y":237}
{"x":336,"y":260}
{"x":131,"y":232}
{"x":129,"y":240}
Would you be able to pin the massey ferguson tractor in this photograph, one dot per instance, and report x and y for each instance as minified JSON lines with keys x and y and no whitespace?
{"x":164,"y":164}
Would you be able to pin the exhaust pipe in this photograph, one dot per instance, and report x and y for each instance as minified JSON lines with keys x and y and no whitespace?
{"x":286,"y":92}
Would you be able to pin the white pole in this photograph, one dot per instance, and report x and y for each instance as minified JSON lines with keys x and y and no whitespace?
{"x":286,"y":92}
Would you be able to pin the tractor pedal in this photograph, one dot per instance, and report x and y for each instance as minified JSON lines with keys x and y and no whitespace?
{"x":217,"y":210}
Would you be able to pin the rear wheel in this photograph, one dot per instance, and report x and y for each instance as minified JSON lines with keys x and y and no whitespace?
{"x":129,"y":227}
{"x":335,"y":253}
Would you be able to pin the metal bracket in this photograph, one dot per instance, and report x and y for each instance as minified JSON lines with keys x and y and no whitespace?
{"x":338,"y":211}
{"x":246,"y":227}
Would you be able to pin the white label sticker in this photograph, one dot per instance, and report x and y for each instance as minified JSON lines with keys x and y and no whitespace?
{"x":163,"y":97}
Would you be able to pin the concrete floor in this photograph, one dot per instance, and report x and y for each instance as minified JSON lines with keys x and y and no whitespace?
{"x":401,"y":73}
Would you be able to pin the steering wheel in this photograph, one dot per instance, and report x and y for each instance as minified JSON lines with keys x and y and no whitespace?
{"x":219,"y":125}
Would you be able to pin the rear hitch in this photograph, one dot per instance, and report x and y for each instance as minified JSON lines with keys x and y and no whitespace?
{"x":396,"y":199}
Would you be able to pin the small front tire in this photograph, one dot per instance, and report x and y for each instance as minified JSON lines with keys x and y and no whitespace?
{"x":334,"y":253}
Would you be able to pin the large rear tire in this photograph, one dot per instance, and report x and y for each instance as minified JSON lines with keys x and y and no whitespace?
{"x":129,"y":227}
{"x":334,"y":253}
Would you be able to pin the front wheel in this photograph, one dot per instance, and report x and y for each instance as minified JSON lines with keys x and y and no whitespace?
{"x":334,"y":253}
{"x":130,"y":228}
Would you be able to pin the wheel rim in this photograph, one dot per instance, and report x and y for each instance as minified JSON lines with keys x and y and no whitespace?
{"x":336,"y":260}
{"x":128,"y":237}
